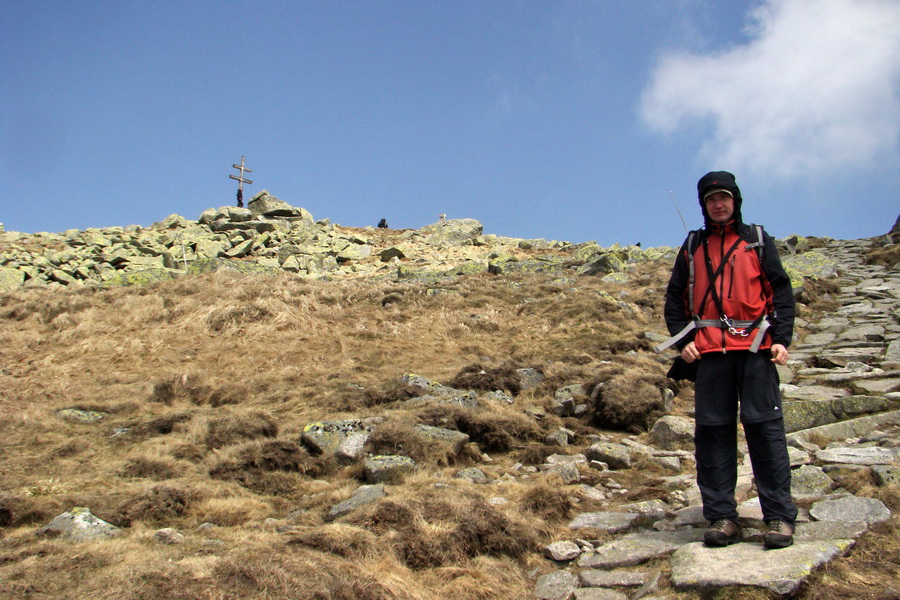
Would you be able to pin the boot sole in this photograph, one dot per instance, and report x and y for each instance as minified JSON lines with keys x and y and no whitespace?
{"x":776,"y":544}
{"x":720,"y":543}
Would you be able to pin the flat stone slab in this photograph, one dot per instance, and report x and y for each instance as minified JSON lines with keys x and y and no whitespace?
{"x":865,"y":333}
{"x":892,"y":354}
{"x":878,"y":386}
{"x":612,"y":522}
{"x":812,"y":392}
{"x":841,"y":358}
{"x":602,"y":578}
{"x":781,"y":571}
{"x":868,"y":455}
{"x":817,"y":340}
{"x":363,"y":495}
{"x":558,"y":585}
{"x":850,"y":508}
{"x":847,"y":429}
{"x":598,"y":594}
{"x":829,"y":530}
{"x":635,"y":548}
{"x":690,"y":515}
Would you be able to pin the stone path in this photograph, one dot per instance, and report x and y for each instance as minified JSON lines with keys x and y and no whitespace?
{"x":842,"y":409}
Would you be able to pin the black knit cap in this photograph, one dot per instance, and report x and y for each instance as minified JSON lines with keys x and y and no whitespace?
{"x":722,"y":180}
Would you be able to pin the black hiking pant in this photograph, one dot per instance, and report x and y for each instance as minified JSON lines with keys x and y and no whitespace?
{"x":726,"y":382}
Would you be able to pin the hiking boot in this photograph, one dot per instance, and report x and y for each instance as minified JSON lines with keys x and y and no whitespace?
{"x":779,"y":535}
{"x":722,"y":533}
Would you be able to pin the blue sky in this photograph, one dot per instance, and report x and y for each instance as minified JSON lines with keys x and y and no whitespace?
{"x":571,"y":120}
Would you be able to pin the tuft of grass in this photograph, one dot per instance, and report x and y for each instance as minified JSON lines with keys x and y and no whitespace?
{"x":547,"y":503}
{"x":159,"y":505}
{"x":270,"y":467}
{"x":630,"y":393}
{"x":500,"y":430}
{"x":235,"y":428}
{"x":151,"y":468}
{"x":433,"y":530}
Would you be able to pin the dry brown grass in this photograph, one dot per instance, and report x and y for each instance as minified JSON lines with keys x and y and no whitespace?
{"x":887,"y":257}
{"x":630,"y":393}
{"x":205,"y":383}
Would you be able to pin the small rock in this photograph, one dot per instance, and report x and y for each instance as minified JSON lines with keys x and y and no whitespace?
{"x":168,"y":536}
{"x":562,"y":551}
{"x":388,"y":469}
{"x":473,"y":474}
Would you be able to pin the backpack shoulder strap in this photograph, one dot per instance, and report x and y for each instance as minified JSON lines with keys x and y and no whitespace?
{"x":758,"y":242}
{"x":693,"y":240}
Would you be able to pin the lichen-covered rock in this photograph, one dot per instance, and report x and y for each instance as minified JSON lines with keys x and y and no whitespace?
{"x":143,"y":277}
{"x":327,"y":437}
{"x":455,"y":439}
{"x":11,"y":279}
{"x":241,"y":266}
{"x":388,"y":469}
{"x":452,"y":232}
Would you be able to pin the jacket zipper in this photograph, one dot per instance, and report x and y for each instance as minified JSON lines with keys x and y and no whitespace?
{"x":731,"y":280}
{"x":722,"y":285}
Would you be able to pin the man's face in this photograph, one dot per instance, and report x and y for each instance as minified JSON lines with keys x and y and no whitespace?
{"x":719,"y":207}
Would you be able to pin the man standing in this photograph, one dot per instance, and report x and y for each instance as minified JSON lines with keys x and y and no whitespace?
{"x":730,"y":306}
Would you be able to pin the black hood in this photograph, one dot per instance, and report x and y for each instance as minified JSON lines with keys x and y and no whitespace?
{"x":721,"y":180}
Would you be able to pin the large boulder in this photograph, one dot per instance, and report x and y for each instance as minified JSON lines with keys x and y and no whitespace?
{"x":337,"y":438}
{"x":79,"y":525}
{"x":11,"y":279}
{"x":263,"y":204}
{"x":455,"y":232}
{"x":672,"y":431}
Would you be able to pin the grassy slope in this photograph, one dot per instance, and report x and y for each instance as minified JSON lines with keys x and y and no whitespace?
{"x":209,"y":381}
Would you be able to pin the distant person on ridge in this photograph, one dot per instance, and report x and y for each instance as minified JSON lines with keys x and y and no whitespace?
{"x":382,"y":224}
{"x":735,"y":322}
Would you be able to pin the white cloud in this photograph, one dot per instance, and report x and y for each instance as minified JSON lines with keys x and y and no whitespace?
{"x":816,"y":88}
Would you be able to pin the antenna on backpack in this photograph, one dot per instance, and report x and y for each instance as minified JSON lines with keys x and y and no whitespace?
{"x":679,"y":211}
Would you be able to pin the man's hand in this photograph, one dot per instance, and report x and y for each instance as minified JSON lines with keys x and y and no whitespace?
{"x":779,"y":354}
{"x":689,"y":353}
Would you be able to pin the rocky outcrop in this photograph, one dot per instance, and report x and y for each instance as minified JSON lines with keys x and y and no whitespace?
{"x":271,"y":236}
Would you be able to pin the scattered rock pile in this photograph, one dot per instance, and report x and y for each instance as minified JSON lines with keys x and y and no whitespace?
{"x":270,"y":236}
